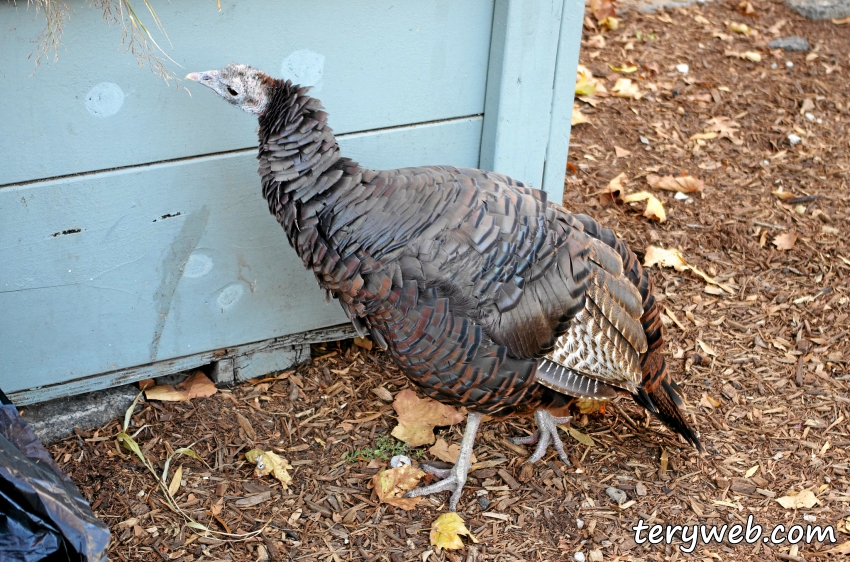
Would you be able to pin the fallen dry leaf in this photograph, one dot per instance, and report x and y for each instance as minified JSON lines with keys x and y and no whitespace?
{"x":175,"y":481}
{"x":270,"y":463}
{"x":582,"y":438}
{"x":610,"y":23}
{"x":625,"y":69}
{"x":708,"y":401}
{"x":843,"y":548}
{"x":418,"y":417}
{"x":654,"y":209}
{"x":842,"y":21}
{"x":446,"y":531}
{"x":390,"y":485}
{"x":198,"y":385}
{"x":365,"y":343}
{"x":590,"y":406}
{"x":706,"y":348}
{"x":621,"y":152}
{"x":685,"y":184}
{"x":578,"y":117}
{"x":741,"y":28}
{"x":613,"y":193}
{"x":751,"y":56}
{"x":603,"y":9}
{"x":585,"y":82}
{"x":726,"y":129}
{"x":596,"y":42}
{"x":448,"y":453}
{"x":625,"y":88}
{"x":674,"y":258}
{"x":783,"y":195}
{"x":805,"y":499}
{"x":785,"y":241}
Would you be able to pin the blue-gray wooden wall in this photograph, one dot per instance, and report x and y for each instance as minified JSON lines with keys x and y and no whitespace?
{"x":132,"y":229}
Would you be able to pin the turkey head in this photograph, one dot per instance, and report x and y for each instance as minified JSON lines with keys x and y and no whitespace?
{"x":238,"y":84}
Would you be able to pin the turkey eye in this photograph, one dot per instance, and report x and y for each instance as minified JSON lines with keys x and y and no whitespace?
{"x":232,"y":92}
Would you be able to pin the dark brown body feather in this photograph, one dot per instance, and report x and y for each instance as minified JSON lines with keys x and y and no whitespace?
{"x":468,"y":277}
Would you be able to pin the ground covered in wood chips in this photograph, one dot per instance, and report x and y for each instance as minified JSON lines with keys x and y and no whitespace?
{"x":764,"y":365}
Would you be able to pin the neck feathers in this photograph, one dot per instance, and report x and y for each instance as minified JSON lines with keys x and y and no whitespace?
{"x":297,"y":146}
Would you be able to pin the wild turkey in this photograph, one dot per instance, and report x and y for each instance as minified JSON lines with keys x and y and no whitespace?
{"x":485,"y":293}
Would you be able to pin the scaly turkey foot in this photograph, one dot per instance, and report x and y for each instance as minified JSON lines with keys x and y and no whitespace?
{"x":547,"y":432}
{"x":455,"y":478}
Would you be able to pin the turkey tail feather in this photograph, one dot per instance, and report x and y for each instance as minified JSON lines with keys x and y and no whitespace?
{"x":658,"y":393}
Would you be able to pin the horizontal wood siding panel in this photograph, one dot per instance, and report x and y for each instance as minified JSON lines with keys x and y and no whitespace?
{"x":116,"y":269}
{"x":376,"y":64}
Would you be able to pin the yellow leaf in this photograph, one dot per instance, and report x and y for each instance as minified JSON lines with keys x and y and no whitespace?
{"x":665,"y":460}
{"x":391,"y":485}
{"x":741,"y":28}
{"x":751,"y":56}
{"x":589,"y":405}
{"x":805,"y":499}
{"x":673,"y":258}
{"x":446,"y":531}
{"x":654,"y":208}
{"x":785,"y":241}
{"x":175,"y":481}
{"x":842,"y":21}
{"x":751,"y":471}
{"x":582,"y":438}
{"x":625,"y":69}
{"x":625,"y":88}
{"x":585,"y":82}
{"x":685,"y":184}
{"x":418,"y":417}
{"x":448,"y":453}
{"x":610,"y":23}
{"x":270,"y":463}
{"x":708,"y":401}
{"x":578,"y":117}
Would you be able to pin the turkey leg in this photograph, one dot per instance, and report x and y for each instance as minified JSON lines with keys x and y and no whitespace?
{"x":455,"y":478}
{"x":547,"y":432}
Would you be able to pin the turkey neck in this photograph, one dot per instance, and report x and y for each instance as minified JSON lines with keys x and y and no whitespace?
{"x":303,"y":175}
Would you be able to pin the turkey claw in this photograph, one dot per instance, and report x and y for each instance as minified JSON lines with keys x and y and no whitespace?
{"x":455,"y":478}
{"x":546,"y":434}
{"x":453,"y":482}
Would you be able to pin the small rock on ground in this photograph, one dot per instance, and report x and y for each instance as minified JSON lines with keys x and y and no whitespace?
{"x":790,"y":44}
{"x":617,"y":495}
{"x":820,"y":9}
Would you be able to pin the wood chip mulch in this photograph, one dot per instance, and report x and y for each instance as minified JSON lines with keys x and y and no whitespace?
{"x":765,"y":369}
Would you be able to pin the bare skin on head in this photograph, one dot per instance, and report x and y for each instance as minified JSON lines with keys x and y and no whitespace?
{"x":486,"y":294}
{"x":238,"y":84}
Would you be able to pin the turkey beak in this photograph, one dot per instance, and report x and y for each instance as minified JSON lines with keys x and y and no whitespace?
{"x":196,"y":76}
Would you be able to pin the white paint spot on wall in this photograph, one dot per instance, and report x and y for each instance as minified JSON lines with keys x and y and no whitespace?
{"x":105,"y":99}
{"x":230,"y":295}
{"x":305,"y":68}
{"x":198,"y":265}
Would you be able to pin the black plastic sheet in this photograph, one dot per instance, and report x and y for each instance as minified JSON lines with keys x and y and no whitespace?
{"x":42,"y":514}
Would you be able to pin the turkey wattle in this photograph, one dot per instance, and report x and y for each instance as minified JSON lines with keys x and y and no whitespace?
{"x":486,"y":294}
